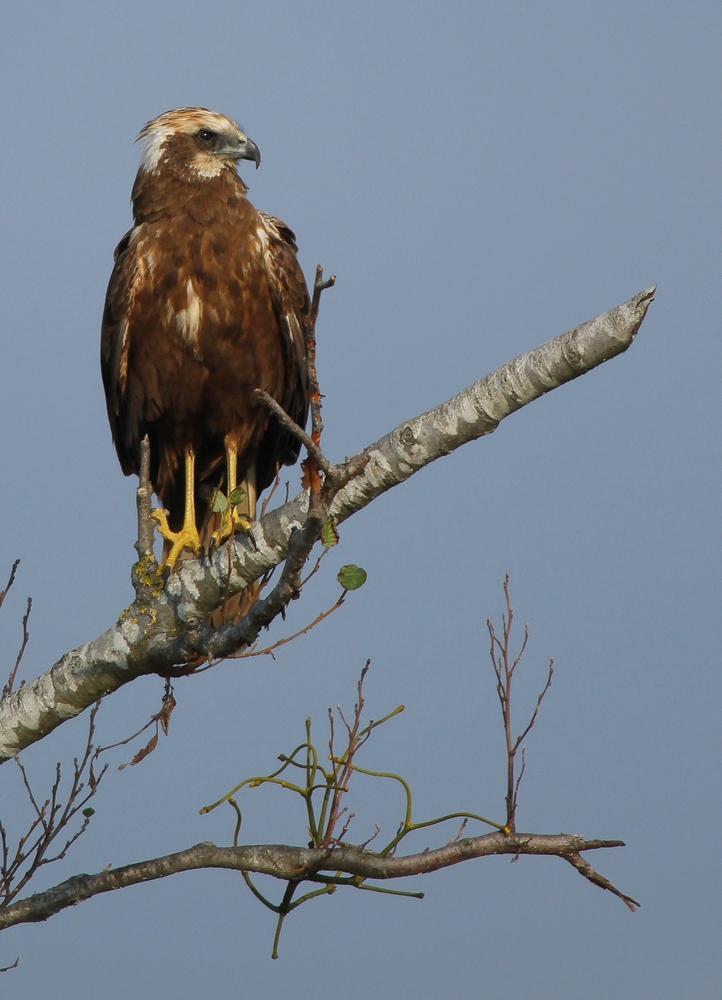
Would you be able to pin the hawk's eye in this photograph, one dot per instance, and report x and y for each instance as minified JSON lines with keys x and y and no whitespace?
{"x":205,"y":135}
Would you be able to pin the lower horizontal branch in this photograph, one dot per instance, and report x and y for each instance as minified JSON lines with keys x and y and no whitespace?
{"x":297,"y":863}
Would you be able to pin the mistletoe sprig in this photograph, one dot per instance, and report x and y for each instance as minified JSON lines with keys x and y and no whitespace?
{"x":322,"y":787}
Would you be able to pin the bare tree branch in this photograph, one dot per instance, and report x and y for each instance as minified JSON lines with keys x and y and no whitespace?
{"x":311,"y":465}
{"x":144,"y":496}
{"x":52,"y":819}
{"x":11,"y":581}
{"x":298,"y":432}
{"x":297,"y":863}
{"x":268,"y":650}
{"x":504,"y":668}
{"x":10,"y":683}
{"x":161,"y":628}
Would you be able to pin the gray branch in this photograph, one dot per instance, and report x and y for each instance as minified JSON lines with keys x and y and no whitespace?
{"x":297,"y":864}
{"x":163,"y":626}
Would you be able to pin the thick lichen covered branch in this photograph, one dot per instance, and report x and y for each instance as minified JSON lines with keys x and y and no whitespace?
{"x":162,"y":619}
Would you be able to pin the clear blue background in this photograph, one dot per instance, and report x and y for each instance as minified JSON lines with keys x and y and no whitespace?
{"x":481,"y":177}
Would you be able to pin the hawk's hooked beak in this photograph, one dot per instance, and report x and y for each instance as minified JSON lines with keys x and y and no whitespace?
{"x":240,"y":147}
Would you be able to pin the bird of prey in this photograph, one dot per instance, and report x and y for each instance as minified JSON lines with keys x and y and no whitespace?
{"x":206,"y":303}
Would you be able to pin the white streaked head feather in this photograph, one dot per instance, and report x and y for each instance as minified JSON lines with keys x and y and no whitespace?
{"x":156,"y":133}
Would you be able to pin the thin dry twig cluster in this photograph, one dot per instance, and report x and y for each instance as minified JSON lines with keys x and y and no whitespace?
{"x":161,"y":721}
{"x":51,"y":819}
{"x":504,"y":667}
{"x":10,"y":683}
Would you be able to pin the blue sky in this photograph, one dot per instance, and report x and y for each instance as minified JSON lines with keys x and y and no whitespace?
{"x":480,"y":177}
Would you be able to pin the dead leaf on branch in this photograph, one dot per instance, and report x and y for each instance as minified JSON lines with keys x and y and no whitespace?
{"x":148,"y":748}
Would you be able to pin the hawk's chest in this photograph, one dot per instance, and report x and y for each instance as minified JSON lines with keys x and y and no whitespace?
{"x":207,"y":287}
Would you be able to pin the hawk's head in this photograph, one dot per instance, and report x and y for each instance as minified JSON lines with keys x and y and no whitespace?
{"x":195,"y":142}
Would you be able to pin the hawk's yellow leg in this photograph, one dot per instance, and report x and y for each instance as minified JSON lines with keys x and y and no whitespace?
{"x":231,"y":520}
{"x":187,"y":537}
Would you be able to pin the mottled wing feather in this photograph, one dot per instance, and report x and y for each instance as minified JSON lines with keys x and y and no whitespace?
{"x":114,"y":350}
{"x":291,"y":305}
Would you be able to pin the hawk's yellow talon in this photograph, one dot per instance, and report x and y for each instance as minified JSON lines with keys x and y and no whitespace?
{"x":186,"y":538}
{"x":231,"y":522}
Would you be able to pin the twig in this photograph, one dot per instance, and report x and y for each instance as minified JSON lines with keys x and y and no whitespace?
{"x":11,"y":581}
{"x":343,"y":766}
{"x":316,"y":567}
{"x":464,"y":824}
{"x":311,"y":477}
{"x":269,"y":496}
{"x":319,"y":286}
{"x":39,"y":811}
{"x":8,"y":689}
{"x":161,"y":719}
{"x":281,"y":642}
{"x":585,"y":869}
{"x":128,"y":739}
{"x":51,"y":818}
{"x":144,"y":494}
{"x":289,"y":638}
{"x":298,"y":432}
{"x":539,"y":700}
{"x":374,"y":835}
{"x":504,"y":671}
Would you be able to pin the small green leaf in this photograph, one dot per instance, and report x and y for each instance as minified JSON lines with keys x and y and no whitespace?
{"x":219,"y":502}
{"x":237,"y":496}
{"x":329,"y":535}
{"x":351,"y":577}
{"x":88,"y":812}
